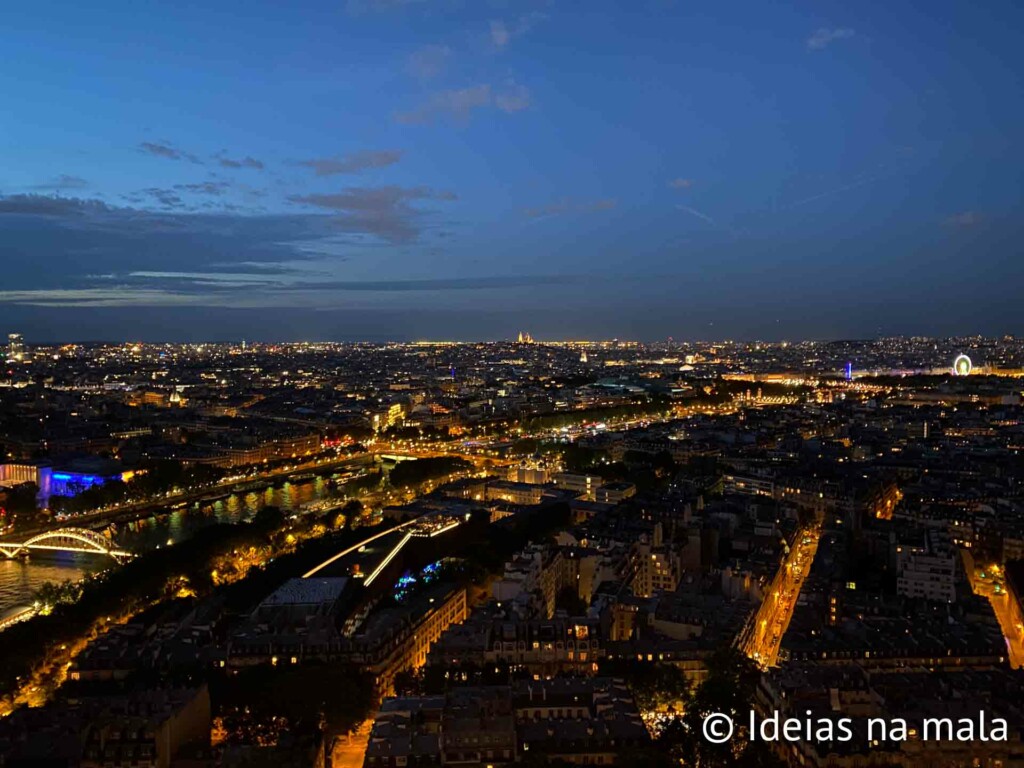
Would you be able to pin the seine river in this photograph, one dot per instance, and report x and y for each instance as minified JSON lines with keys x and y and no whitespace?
{"x":19,"y":579}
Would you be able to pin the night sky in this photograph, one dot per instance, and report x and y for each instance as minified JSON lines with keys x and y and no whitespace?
{"x":429,"y":169}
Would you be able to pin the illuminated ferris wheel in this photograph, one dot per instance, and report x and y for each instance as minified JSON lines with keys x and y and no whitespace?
{"x":962,"y":365}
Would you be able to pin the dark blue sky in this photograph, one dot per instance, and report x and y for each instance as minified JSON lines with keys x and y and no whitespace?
{"x":466,"y":169}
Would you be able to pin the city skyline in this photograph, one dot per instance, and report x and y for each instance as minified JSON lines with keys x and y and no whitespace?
{"x":666,"y":342}
{"x":404,"y":170}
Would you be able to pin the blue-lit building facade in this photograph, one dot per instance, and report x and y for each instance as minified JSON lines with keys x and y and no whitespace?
{"x":66,"y":483}
{"x":63,"y":479}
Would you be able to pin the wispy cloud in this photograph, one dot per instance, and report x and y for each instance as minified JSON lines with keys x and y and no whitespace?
{"x":500,"y":34}
{"x":88,"y":238}
{"x":185,"y":289}
{"x":503,"y":32}
{"x":459,"y":104}
{"x":166,"y":198}
{"x":568,"y":205}
{"x":215,"y":188}
{"x":384,"y":212}
{"x":443,"y":284}
{"x":46,"y":205}
{"x":168,"y":151}
{"x":824,"y":37}
{"x":101,"y":256}
{"x":62,"y":182}
{"x":681,"y":183}
{"x":513,"y":97}
{"x":246,"y":162}
{"x":180,"y":197}
{"x":365,"y":6}
{"x":352,"y":163}
{"x":114,"y":296}
{"x":964,"y":219}
{"x":429,"y":61}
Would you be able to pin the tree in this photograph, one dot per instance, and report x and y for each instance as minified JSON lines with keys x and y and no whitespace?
{"x":655,"y":685}
{"x":352,"y":511}
{"x":728,"y":689}
{"x":21,"y":499}
{"x":411,"y":473}
{"x":408,"y":683}
{"x":269,"y":518}
{"x":525,"y":446}
{"x":650,"y":757}
{"x":302,"y":693}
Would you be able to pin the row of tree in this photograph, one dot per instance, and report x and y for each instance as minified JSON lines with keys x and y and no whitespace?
{"x":408,"y":474}
{"x":36,"y":644}
{"x":155,"y":480}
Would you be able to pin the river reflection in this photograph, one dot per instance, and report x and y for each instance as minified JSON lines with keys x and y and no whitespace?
{"x":19,"y":579}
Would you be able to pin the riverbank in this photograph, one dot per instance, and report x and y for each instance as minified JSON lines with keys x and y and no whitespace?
{"x":143,"y":530}
{"x":142,"y":509}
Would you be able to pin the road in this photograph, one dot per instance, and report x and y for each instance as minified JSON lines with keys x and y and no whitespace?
{"x":348,"y":751}
{"x":777,"y":608}
{"x":988,"y":583}
{"x":1013,"y":632}
{"x":356,"y":547}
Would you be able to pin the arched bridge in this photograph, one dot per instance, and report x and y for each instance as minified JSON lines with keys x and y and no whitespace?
{"x":65,"y":540}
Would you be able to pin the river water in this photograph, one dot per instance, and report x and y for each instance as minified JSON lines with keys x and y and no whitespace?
{"x":19,"y":579}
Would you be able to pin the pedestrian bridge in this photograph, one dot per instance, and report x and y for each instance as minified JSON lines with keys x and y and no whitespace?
{"x":64,"y":540}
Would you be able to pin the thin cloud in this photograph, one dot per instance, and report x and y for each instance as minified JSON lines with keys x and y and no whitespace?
{"x":550,"y":209}
{"x":184,"y":289}
{"x":568,"y":205}
{"x":513,"y":98}
{"x":824,"y":37}
{"x":115,"y":296}
{"x":47,"y":205}
{"x":964,"y":219}
{"x":365,"y":6}
{"x":460,"y":104}
{"x":62,"y":182}
{"x":429,"y":61}
{"x":442,"y":284}
{"x":167,"y":151}
{"x":681,"y":183}
{"x":384,"y":212}
{"x":246,"y":162}
{"x":175,"y":198}
{"x":245,"y":275}
{"x":90,"y":243}
{"x":215,"y":188}
{"x":166,"y":198}
{"x":457,"y":104}
{"x":502,"y":33}
{"x":353,"y":163}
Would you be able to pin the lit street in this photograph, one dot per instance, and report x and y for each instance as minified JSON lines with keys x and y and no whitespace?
{"x":777,"y":608}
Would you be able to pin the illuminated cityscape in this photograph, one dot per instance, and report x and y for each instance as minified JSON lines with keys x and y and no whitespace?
{"x":496,"y":383}
{"x":349,"y":554}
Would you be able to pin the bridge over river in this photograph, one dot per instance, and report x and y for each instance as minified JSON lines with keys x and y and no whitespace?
{"x":63,"y":540}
